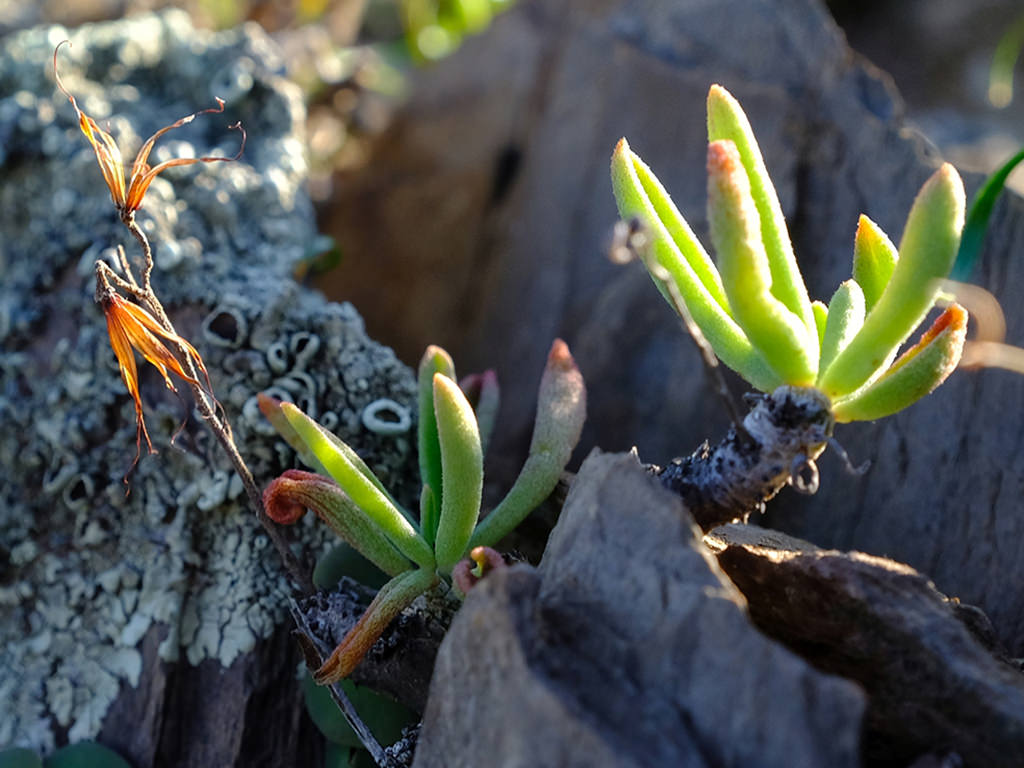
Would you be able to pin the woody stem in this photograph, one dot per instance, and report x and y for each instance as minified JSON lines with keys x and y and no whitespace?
{"x":221,"y":427}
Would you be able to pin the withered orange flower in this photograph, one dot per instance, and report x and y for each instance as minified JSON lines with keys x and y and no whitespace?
{"x":127,"y":195}
{"x":132,"y":328}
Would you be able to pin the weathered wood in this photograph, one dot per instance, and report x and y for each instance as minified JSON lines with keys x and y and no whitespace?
{"x":932,"y":685}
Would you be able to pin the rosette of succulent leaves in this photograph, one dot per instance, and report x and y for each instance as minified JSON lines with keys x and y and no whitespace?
{"x":819,"y":364}
{"x":419,"y":554}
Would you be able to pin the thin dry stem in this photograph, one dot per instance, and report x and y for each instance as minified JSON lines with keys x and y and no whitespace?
{"x":219,"y":425}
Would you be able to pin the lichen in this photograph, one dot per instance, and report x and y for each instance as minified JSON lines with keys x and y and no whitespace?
{"x":86,"y":571}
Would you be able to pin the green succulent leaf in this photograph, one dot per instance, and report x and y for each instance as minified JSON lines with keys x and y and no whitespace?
{"x":435,"y":360}
{"x":820,"y":318}
{"x":272,"y":409}
{"x":926,"y":253}
{"x":561,"y":411}
{"x":345,"y":560}
{"x":384,"y":717}
{"x":430,"y":513}
{"x":916,"y":373}
{"x":781,"y":337}
{"x":874,"y":259}
{"x":390,"y":601}
{"x":462,"y":462}
{"x":288,"y":496}
{"x":85,"y":754}
{"x":19,"y":757}
{"x":726,"y":120}
{"x":675,"y":249}
{"x":484,"y":394}
{"x":845,"y":318}
{"x":367,"y":494}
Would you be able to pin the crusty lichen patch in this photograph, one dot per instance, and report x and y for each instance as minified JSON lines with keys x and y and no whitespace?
{"x":86,"y":570}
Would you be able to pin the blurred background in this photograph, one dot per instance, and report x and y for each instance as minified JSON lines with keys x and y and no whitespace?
{"x":953,"y":62}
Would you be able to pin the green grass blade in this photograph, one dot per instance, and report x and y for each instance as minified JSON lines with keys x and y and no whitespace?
{"x":978,"y":217}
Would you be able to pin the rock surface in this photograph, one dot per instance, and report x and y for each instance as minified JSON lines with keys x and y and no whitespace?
{"x":490,"y":198}
{"x":627,"y":647}
{"x":157,"y":620}
{"x":932,"y":685}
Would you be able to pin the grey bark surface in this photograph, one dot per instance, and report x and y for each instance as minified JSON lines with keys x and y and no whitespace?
{"x":156,"y":621}
{"x":503,"y":150}
{"x":934,"y":682}
{"x":627,"y":647}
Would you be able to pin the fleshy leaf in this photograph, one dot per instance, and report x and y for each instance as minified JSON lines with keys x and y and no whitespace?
{"x":845,"y":318}
{"x":820,"y":319}
{"x":393,"y":597}
{"x":435,"y":360}
{"x":874,"y":259}
{"x":462,"y":463}
{"x":484,"y":394}
{"x":271,"y":408}
{"x":926,"y":253}
{"x":776,"y":332}
{"x":726,"y":120}
{"x":368,"y":495}
{"x":676,"y":250}
{"x":561,"y":410}
{"x":916,"y":373}
{"x":288,"y":496}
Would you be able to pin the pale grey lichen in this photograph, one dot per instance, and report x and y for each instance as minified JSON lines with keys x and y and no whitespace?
{"x":386,"y":417}
{"x":86,"y":571}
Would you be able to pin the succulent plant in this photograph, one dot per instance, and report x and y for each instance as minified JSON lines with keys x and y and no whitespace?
{"x":417,"y":554}
{"x":836,"y":360}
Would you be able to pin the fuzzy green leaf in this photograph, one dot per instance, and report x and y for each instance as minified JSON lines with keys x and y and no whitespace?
{"x":874,"y":259}
{"x":85,"y":754}
{"x":820,"y":319}
{"x":845,"y":318}
{"x":19,"y":757}
{"x":779,"y":335}
{"x":462,"y":463}
{"x":726,"y":120}
{"x":916,"y":373}
{"x":561,"y":411}
{"x":271,"y":408}
{"x":288,"y":496}
{"x":676,"y":250}
{"x":435,"y":360}
{"x":926,"y":253}
{"x":377,"y":504}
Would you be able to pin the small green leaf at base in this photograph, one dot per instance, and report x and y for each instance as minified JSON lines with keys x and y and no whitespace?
{"x":19,"y":757}
{"x":85,"y":754}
